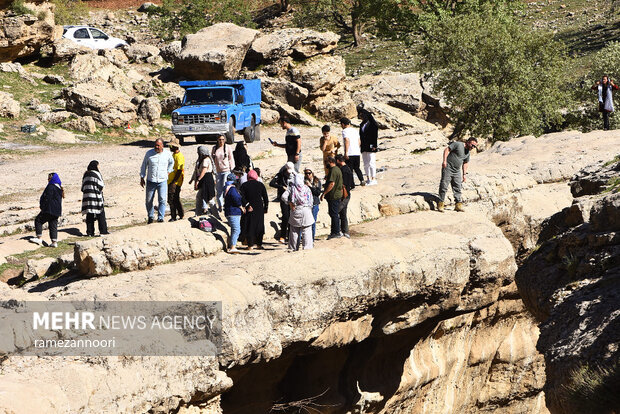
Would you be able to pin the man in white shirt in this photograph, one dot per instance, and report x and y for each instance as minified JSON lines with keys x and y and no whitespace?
{"x":156,"y":166}
{"x":352,"y":152}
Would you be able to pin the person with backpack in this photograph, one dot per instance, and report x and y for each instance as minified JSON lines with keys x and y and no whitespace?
{"x":300,"y":200}
{"x":50,"y":204}
{"x":224,"y":164}
{"x":281,"y":183}
{"x":204,"y":182}
{"x":92,"y":200}
{"x":233,"y":210}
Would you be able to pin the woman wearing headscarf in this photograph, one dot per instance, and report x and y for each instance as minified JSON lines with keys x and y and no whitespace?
{"x":316,"y":187}
{"x":605,"y":98}
{"x":51,"y":209}
{"x":242,"y":159}
{"x":233,"y":209}
{"x":281,"y":183}
{"x":203,"y":180}
{"x":300,"y":200}
{"x":92,"y":199}
{"x":256,"y":202}
{"x":369,"y":132}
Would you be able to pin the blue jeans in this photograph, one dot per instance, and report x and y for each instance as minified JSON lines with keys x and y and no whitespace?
{"x":162,"y":193}
{"x":315,"y":213}
{"x":235,"y":228}
{"x":219,"y":187}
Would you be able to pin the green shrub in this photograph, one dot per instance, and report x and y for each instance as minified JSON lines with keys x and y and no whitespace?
{"x":175,"y":19}
{"x":69,"y":11}
{"x":594,"y":389}
{"x":500,"y":78}
{"x":18,"y":7}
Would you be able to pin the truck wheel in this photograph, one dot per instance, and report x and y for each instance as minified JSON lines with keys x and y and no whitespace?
{"x":181,"y":139}
{"x":230,"y":135}
{"x":249,"y":132}
{"x":201,"y":139}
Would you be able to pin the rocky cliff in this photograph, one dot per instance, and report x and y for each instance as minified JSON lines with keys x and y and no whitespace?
{"x":570,"y":283}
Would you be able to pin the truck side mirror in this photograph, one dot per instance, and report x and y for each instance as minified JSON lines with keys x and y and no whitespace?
{"x":240,"y":99}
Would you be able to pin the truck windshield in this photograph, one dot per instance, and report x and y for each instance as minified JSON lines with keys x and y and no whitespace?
{"x":208,"y":96}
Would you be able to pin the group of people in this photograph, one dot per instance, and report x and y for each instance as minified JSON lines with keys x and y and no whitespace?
{"x":225,"y":180}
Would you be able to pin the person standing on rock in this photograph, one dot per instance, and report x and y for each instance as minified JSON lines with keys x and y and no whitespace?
{"x":347,"y":185}
{"x":224,"y":164}
{"x":333,"y":195}
{"x":454,"y":171}
{"x":175,"y":181}
{"x":281,"y":183}
{"x":292,"y":143}
{"x":256,"y":203}
{"x":352,"y":151}
{"x":605,"y":98}
{"x":300,"y":200}
{"x":314,"y":183}
{"x":156,"y":166}
{"x":51,"y":209}
{"x":369,"y":133}
{"x":92,"y":199}
{"x":233,"y":210}
{"x":329,"y":144}
{"x":203,"y":181}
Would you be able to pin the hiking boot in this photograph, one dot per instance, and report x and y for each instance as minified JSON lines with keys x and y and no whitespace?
{"x":459,"y":207}
{"x":440,"y":206}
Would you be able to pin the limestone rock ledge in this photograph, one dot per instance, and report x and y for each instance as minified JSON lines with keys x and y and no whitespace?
{"x":417,"y":313}
{"x":570,"y":283}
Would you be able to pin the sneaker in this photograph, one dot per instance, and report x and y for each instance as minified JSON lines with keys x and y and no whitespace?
{"x":347,"y":235}
{"x":334,"y":236}
{"x":160,"y":220}
{"x":363,"y":183}
{"x":372,"y":182}
{"x":150,"y":220}
{"x":172,"y":219}
{"x":54,"y":244}
{"x":35,"y":240}
{"x":282,"y":241}
{"x":233,"y":250}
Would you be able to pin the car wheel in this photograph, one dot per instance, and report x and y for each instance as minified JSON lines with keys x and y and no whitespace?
{"x":249,"y":132}
{"x":230,"y":135}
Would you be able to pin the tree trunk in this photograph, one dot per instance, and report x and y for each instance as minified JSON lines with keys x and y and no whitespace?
{"x":357,"y":28}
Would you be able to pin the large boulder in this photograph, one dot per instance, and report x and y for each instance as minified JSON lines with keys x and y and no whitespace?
{"x":56,"y":117}
{"x":61,"y":136}
{"x":107,"y":106}
{"x":319,"y":74}
{"x":150,"y":109}
{"x":295,"y":115}
{"x":400,"y":90}
{"x":65,"y":50}
{"x":82,"y":124}
{"x":139,"y":52}
{"x":285,"y":91}
{"x":390,"y":117}
{"x":22,"y":36}
{"x":297,"y":43}
{"x":169,"y":51}
{"x":334,"y":105}
{"x":9,"y":107}
{"x":215,"y":52}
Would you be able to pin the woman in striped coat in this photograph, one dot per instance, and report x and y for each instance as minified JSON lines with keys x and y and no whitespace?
{"x":92,"y":199}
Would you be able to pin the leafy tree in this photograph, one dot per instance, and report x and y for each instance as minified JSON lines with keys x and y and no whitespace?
{"x":499,"y":78}
{"x":176,"y":18}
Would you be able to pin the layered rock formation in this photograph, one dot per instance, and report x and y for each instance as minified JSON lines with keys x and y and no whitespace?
{"x":570,"y":284}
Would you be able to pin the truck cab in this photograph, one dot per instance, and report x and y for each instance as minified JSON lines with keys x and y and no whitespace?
{"x":211,"y":108}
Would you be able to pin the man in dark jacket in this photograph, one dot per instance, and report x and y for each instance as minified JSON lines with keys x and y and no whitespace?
{"x":333,"y":194}
{"x":348,"y":185}
{"x":51,"y":209}
{"x":369,"y":132}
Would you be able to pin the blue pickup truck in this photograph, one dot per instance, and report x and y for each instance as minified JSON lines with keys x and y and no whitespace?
{"x":218,"y":107}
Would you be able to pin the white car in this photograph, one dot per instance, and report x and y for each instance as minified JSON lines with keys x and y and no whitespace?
{"x":91,"y":37}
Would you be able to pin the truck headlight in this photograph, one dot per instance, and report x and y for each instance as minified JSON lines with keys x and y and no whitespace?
{"x":175,"y":118}
{"x":222,"y":115}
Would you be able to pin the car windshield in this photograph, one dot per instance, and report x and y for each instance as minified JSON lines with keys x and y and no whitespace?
{"x":208,"y":96}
